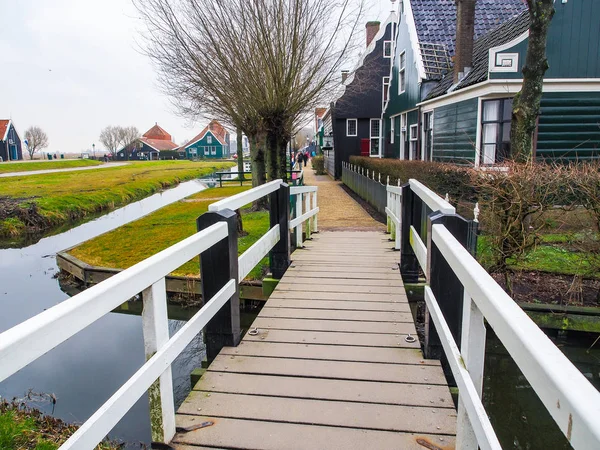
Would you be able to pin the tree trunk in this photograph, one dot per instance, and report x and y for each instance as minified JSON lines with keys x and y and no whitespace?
{"x":240,"y":154}
{"x":259,"y":176}
{"x":526,"y":103}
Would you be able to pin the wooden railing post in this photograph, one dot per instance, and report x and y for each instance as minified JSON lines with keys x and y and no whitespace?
{"x":279,"y":214}
{"x":218,"y":265}
{"x":298,"y":231}
{"x":155,"y":327}
{"x":444,"y":283}
{"x":315,"y":220}
{"x":410,"y":215}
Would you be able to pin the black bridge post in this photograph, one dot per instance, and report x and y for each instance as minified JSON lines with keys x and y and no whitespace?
{"x":218,"y":265}
{"x":445,"y":285}
{"x":411,"y":215}
{"x":279,"y":215}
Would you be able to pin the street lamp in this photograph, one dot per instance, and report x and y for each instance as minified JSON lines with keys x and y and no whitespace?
{"x":94,"y":150}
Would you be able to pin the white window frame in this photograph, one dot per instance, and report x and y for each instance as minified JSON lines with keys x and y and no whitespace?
{"x":423,"y":131}
{"x":355,"y":127}
{"x":401,"y":73}
{"x":387,"y":45}
{"x":206,"y":151}
{"x":386,"y":87}
{"x":412,"y":139}
{"x":213,"y":151}
{"x":209,"y":139}
{"x":378,"y":137}
{"x":392,"y":129}
{"x":403,"y":132}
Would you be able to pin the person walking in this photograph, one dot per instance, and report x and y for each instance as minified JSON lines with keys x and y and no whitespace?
{"x":305,"y":158}
{"x":299,"y":159}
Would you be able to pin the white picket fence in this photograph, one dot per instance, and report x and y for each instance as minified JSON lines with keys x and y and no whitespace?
{"x":569,"y":397}
{"x":24,"y":343}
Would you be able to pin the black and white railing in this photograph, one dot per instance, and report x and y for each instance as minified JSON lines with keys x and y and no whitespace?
{"x":221,"y":270}
{"x":460,"y":297}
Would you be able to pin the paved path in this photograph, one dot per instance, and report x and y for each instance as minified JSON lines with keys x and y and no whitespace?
{"x":338,"y":211}
{"x":330,"y":366}
{"x":68,"y":169}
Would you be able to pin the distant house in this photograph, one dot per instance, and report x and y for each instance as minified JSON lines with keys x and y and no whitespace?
{"x":155,"y":144}
{"x":212,"y":142}
{"x":10,"y":142}
{"x":356,"y":114}
{"x":440,"y":112}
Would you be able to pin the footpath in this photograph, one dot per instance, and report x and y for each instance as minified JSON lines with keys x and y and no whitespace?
{"x":68,"y":169}
{"x":338,"y":211}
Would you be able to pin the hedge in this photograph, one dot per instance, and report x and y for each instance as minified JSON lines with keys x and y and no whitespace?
{"x":318,"y":164}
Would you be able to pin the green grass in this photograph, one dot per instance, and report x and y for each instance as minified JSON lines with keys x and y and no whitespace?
{"x":65,"y":196}
{"x":45,"y":165}
{"x":136,"y":241}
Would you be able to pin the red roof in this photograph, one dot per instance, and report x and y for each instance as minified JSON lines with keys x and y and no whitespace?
{"x":216,"y":129}
{"x":3,"y":128}
{"x":157,"y":133}
{"x":159,"y":144}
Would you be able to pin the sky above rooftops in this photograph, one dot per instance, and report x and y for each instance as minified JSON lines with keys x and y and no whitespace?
{"x":73,"y":67}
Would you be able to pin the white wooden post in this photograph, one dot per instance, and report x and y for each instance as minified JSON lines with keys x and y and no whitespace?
{"x":388,"y":203}
{"x":398,"y":213}
{"x":299,"y":226}
{"x":314,"y":205}
{"x":307,"y":209}
{"x":155,"y":325}
{"x":473,"y":354}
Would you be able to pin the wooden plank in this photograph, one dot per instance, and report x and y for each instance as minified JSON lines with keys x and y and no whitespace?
{"x":323,"y":412}
{"x":334,"y":314}
{"x":389,"y":355}
{"x":322,"y":389}
{"x":335,"y":268}
{"x":259,"y":435}
{"x":342,"y":370}
{"x":335,"y":325}
{"x":338,"y":281}
{"x":339,"y":305}
{"x":349,"y":287}
{"x":333,"y":338}
{"x":346,"y":296}
{"x":342,"y":275}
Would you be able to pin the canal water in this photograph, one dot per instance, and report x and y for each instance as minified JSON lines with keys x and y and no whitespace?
{"x":86,"y":370}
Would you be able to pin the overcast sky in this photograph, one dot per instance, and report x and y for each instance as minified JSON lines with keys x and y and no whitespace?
{"x":73,"y":67}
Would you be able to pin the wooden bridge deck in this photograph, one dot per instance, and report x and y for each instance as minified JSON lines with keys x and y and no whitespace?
{"x":330,"y":367}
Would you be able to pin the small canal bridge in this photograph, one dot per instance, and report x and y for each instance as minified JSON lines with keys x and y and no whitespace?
{"x":332,"y":361}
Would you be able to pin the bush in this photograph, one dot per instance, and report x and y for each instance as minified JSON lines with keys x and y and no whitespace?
{"x":441,"y":178}
{"x":318,"y":164}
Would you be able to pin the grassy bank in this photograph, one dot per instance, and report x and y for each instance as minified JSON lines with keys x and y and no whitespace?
{"x":27,"y":428}
{"x":136,"y":241}
{"x":46,"y":165}
{"x":40,"y":202}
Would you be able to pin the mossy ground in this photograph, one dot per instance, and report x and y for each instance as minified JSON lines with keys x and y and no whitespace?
{"x":40,"y":202}
{"x":138,"y":240}
{"x":46,"y":165}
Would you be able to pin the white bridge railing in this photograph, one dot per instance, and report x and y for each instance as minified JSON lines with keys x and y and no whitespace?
{"x":24,"y":343}
{"x":569,"y":397}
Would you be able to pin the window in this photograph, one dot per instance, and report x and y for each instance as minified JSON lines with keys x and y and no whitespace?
{"x":428,"y":134}
{"x":351,"y":127}
{"x":213,"y":151}
{"x":495,"y":130}
{"x":206,"y":151}
{"x":402,"y":73}
{"x":374,"y":136}
{"x":387,"y":49}
{"x":209,"y":139}
{"x":386,"y":87}
{"x":403,"y":135}
{"x":414,"y":144}
{"x":392,"y":120}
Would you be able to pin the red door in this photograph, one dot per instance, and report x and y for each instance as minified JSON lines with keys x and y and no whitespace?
{"x":364,"y":147}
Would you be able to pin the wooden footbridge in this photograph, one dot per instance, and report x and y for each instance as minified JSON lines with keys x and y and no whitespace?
{"x":333,"y":360}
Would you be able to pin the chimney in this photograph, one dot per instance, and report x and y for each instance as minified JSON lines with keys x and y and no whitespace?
{"x":465,"y":29}
{"x":345,"y":74}
{"x":372,"y":30}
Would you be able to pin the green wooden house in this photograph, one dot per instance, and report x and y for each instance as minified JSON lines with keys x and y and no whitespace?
{"x":463,"y":115}
{"x":212,"y":142}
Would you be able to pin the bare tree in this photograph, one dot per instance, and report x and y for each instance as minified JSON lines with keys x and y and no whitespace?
{"x":526,"y":103}
{"x":257,"y":65}
{"x":37,"y":140}
{"x":128,"y":135}
{"x":115,"y":138}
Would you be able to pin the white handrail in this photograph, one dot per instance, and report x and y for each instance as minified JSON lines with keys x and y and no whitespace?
{"x":243,"y":198}
{"x":27,"y":341}
{"x":431,"y":199}
{"x":294,"y":190}
{"x":569,"y":397}
{"x":419,"y":248}
{"x":261,"y":248}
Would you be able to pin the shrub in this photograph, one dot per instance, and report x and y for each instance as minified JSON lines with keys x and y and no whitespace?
{"x":441,"y":178}
{"x":318,"y":164}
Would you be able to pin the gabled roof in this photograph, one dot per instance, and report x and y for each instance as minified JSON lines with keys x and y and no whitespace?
{"x":4,"y":126}
{"x":157,"y":133}
{"x":435,"y":23}
{"x":216,"y":129}
{"x":509,"y":30}
{"x":159,"y":144}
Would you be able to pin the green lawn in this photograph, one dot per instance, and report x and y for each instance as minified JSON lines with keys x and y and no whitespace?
{"x":45,"y":165}
{"x":44,"y":201}
{"x":136,"y":241}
